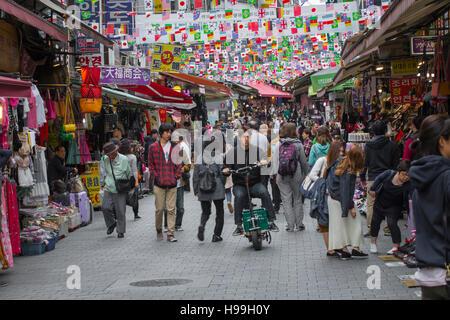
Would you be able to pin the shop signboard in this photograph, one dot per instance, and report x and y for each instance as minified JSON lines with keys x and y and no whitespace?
{"x":92,"y":182}
{"x":401,"y":90}
{"x":404,"y":67}
{"x":91,"y":60}
{"x":125,"y":76}
{"x":320,"y":81}
{"x":418,"y":44}
{"x":166,"y":58}
{"x":117,"y":14}
{"x":90,"y":14}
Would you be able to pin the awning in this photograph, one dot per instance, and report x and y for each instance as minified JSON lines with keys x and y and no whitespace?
{"x":322,"y":78}
{"x":32,"y":19}
{"x":352,"y":70}
{"x":13,"y":88}
{"x":161,"y":94}
{"x":268,"y":91}
{"x":199,"y":82}
{"x":245,"y":89}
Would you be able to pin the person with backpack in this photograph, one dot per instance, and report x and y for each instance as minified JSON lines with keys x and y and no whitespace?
{"x":344,"y":223}
{"x":391,"y":192}
{"x":209,"y":186}
{"x":292,"y":168}
{"x":242,"y":155}
{"x":320,"y":148}
{"x":430,"y":178}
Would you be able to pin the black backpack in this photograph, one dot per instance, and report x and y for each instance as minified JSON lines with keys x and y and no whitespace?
{"x":207,"y":181}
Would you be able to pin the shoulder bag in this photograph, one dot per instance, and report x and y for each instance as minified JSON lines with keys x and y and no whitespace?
{"x":122,"y":185}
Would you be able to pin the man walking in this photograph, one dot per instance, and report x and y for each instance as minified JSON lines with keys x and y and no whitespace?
{"x":165,"y":174}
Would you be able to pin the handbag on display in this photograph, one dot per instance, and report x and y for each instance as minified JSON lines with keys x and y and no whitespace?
{"x":91,"y":91}
{"x":68,"y":115}
{"x":59,"y":105}
{"x":50,"y":105}
{"x":90,"y":75}
{"x":441,"y":85}
{"x":89,"y":105}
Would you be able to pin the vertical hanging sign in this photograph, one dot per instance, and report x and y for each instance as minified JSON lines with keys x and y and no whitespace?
{"x":89,"y":11}
{"x":117,"y":14}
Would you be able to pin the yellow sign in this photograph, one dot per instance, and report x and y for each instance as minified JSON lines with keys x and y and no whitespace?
{"x":166,"y":58}
{"x":92,"y":182}
{"x":10,"y":61}
{"x":158,"y":6}
{"x":404,"y":67}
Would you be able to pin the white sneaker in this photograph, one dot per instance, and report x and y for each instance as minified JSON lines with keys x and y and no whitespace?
{"x":373,"y":248}
{"x":392,"y":251}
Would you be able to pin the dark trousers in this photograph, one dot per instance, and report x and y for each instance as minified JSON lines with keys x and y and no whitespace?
{"x":276,"y":196}
{"x":377,"y":219}
{"x":206,"y":212}
{"x":256,"y":191}
{"x":435,"y":293}
{"x":180,"y":207}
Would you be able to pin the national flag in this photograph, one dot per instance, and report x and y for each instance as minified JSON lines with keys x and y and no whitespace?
{"x":181,"y":4}
{"x":165,"y":15}
{"x":210,"y":35}
{"x":251,"y":1}
{"x":339,"y":18}
{"x":215,"y":3}
{"x":165,"y":5}
{"x":268,"y":25}
{"x":313,"y":21}
{"x":299,"y":22}
{"x":329,"y":7}
{"x":306,"y":28}
{"x":228,"y":14}
{"x":297,"y":11}
{"x":197,"y":36}
{"x":356,"y":16}
{"x":348,"y":23}
{"x":191,"y":30}
{"x":294,"y":30}
{"x":286,"y":1}
{"x":198,"y":4}
{"x":280,"y":13}
{"x":123,"y":29}
{"x":362,"y":21}
{"x":171,"y":37}
{"x":245,"y":13}
{"x":168,"y":27}
{"x":335,"y":24}
{"x":110,"y":28}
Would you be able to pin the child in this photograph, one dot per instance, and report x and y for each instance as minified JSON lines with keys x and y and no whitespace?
{"x":391,"y":190}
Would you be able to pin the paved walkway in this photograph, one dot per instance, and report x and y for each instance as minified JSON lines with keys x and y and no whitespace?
{"x":293,"y":266}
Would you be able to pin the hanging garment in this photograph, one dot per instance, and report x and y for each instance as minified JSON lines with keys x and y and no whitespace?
{"x":40,"y":109}
{"x":43,"y":134}
{"x":32,"y":122}
{"x":73,"y":155}
{"x":4,"y":235}
{"x":24,"y":171}
{"x":50,"y":106}
{"x":85,"y":155}
{"x":5,"y":124}
{"x":40,"y":188}
{"x":13,"y":218}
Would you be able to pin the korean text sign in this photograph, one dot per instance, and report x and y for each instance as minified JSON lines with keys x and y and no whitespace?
{"x":401,"y":90}
{"x":166,"y":58}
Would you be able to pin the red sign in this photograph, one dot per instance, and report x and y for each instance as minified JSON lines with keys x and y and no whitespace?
{"x":167,"y":57}
{"x":401,"y":90}
{"x":163,"y":115}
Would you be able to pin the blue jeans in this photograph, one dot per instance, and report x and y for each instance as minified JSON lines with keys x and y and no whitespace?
{"x":241,"y":199}
{"x":228,"y":195}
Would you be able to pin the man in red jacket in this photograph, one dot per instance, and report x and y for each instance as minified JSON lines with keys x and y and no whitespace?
{"x":165,"y":169}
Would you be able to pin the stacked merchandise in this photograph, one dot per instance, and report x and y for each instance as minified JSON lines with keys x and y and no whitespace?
{"x":39,"y":239}
{"x":407,"y":253}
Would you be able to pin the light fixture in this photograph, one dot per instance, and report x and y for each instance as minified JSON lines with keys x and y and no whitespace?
{"x":380,"y":90}
{"x":379,"y":68}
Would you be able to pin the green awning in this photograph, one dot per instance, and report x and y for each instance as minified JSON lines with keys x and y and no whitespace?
{"x":347,"y":84}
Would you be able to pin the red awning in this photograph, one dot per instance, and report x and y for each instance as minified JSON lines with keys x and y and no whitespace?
{"x":159,"y":93}
{"x":32,"y":19}
{"x":268,"y":91}
{"x":13,"y":88}
{"x":199,"y":81}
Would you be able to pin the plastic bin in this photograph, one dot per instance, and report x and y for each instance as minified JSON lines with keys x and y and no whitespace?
{"x":51,"y":244}
{"x":32,"y":249}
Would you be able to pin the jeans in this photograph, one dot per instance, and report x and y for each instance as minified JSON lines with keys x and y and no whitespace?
{"x":276,"y":196}
{"x":228,"y":195}
{"x":180,"y":206}
{"x":256,"y":191}
{"x":435,"y":293}
{"x":206,"y":212}
{"x":377,"y":218}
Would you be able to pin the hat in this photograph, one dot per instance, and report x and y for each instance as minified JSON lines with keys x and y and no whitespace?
{"x":110,"y":147}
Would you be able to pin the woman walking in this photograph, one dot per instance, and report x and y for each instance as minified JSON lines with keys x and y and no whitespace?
{"x":344,"y":224}
{"x":209,"y":186}
{"x":133,"y":195}
{"x":321,"y":146}
{"x":430,"y":177}
{"x":391,"y":192}
{"x":291,"y":152}
{"x":319,"y":171}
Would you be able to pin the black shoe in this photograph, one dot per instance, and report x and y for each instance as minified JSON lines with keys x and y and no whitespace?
{"x":216,"y":238}
{"x":111,"y":229}
{"x":367,"y":235}
{"x":120,"y":235}
{"x":273,"y":227}
{"x":3,"y":284}
{"x":301,"y":228}
{"x":359,"y":254}
{"x":239,"y":230}
{"x":137,"y":217}
{"x":343,"y":255}
{"x":179,"y":229}
{"x":201,"y":233}
{"x":334,"y":254}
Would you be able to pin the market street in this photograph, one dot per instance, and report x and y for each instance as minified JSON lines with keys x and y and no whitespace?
{"x":293,"y":266}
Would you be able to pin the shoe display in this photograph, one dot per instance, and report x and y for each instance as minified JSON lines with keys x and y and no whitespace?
{"x":216,"y":238}
{"x":120,"y":235}
{"x":359,"y":254}
{"x":373,"y":248}
{"x":239,"y":230}
{"x":159,"y":236}
{"x":171,"y":239}
{"x":273,"y":227}
{"x":201,"y":233}
{"x":391,"y":252}
{"x":111,"y":229}
{"x":230,"y":208}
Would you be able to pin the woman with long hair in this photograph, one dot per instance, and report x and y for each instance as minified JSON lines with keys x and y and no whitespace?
{"x":344,"y":224}
{"x":319,"y":171}
{"x":430,"y":177}
{"x":321,"y":146}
